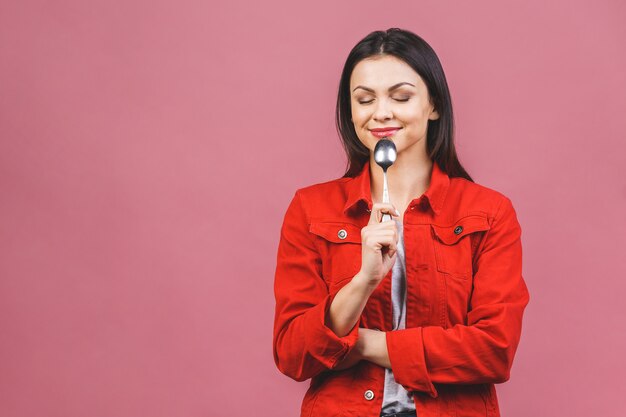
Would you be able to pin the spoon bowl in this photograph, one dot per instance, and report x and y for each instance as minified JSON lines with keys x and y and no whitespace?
{"x":385,"y":153}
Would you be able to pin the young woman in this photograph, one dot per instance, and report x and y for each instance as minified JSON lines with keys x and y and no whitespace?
{"x":418,"y":315}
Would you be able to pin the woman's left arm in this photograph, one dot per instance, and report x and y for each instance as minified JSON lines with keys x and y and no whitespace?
{"x":481,"y":351}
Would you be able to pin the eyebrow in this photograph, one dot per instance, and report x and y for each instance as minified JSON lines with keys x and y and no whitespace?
{"x":393,"y":87}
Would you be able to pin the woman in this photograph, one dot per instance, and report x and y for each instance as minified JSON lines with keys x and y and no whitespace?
{"x":418,"y":315}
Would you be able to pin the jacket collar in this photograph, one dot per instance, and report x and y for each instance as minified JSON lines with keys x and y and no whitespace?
{"x":359,"y":189}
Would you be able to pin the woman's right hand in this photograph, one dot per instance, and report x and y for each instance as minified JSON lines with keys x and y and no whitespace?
{"x":379,"y":244}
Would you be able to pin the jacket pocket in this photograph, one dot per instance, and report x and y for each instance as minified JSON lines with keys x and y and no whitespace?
{"x":453,"y":251}
{"x":339,"y":244}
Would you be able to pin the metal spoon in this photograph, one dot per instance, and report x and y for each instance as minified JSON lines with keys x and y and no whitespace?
{"x":385,"y":156}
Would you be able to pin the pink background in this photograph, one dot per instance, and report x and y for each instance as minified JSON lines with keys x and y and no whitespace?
{"x":149,"y":149}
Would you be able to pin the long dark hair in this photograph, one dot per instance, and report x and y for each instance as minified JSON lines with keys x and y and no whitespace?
{"x":422,"y":58}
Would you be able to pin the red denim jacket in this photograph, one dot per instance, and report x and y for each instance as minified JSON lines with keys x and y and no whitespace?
{"x":464,"y":305}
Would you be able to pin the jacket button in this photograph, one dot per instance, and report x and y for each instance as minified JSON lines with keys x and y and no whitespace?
{"x":369,"y":395}
{"x":458,"y":230}
{"x":342,"y":234}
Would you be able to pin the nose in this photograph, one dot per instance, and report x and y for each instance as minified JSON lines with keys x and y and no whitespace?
{"x":382,"y":111}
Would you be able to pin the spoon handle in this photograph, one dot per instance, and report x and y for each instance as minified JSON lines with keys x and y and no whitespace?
{"x":386,"y":216}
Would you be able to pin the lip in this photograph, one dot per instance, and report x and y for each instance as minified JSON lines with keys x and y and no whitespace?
{"x":382,"y":129}
{"x":384,"y":132}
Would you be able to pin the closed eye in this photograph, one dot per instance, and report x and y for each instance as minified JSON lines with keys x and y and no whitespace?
{"x":396,"y":99}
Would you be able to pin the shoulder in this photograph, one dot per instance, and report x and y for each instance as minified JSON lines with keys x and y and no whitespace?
{"x":324,"y":198}
{"x":473,"y":197}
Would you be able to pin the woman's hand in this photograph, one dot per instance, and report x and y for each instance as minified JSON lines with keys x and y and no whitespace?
{"x":370,"y":346}
{"x":373,"y":347}
{"x":379,"y":244}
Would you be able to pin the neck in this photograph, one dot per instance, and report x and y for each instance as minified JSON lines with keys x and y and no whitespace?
{"x":407,"y":179}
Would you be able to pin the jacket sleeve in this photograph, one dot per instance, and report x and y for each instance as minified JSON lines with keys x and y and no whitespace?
{"x":303,"y":345}
{"x":481,"y":351}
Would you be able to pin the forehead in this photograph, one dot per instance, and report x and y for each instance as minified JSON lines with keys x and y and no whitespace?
{"x":383,"y":72}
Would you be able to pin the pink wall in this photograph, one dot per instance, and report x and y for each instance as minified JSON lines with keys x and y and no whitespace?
{"x":148,"y":151}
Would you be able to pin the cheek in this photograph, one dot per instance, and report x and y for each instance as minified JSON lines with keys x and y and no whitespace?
{"x":414,"y":119}
{"x":359,"y":117}
{"x":415,"y":126}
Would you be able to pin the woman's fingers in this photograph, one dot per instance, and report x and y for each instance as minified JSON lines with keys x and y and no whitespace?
{"x":384,"y":241}
{"x":381,"y":237}
{"x":378,"y":209}
{"x":379,"y":242}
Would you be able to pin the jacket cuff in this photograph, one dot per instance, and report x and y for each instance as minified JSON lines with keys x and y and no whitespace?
{"x":322,"y":343}
{"x":408,"y":360}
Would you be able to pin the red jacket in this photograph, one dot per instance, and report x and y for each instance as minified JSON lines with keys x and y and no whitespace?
{"x":465,"y":298}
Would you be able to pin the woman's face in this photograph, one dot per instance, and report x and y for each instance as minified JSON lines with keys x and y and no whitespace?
{"x":386,"y":92}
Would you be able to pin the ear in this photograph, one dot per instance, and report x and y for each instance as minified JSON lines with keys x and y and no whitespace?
{"x":434,"y":114}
